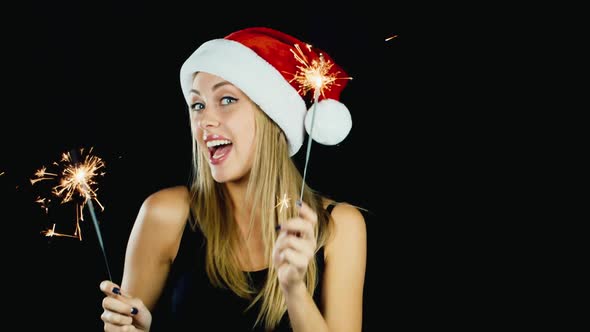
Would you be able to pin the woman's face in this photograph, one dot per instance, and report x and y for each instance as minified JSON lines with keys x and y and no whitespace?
{"x":222,"y":120}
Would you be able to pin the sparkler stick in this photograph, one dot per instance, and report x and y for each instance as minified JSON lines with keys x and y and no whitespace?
{"x":316,"y":96}
{"x":99,"y":235}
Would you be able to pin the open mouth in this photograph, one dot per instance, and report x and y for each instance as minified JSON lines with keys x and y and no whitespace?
{"x":218,"y":149}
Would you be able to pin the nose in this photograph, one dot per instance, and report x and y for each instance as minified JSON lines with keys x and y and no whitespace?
{"x":208,"y":122}
{"x":204,"y":124}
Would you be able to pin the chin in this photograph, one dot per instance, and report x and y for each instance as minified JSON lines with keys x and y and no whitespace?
{"x":219,"y":178}
{"x":224,"y":177}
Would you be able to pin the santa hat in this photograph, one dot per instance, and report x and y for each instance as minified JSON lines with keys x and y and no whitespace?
{"x":264,"y":64}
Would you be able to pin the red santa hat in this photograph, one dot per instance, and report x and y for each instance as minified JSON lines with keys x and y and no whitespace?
{"x":265,"y":63}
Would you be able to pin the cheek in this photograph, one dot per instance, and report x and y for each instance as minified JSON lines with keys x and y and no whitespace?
{"x":196,"y":130}
{"x":247,"y":137}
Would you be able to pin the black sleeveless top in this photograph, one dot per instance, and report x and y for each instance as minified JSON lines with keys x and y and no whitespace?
{"x":190,"y":302}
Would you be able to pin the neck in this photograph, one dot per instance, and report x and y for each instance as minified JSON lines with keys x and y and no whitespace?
{"x":252,"y":258}
{"x":237,"y":195}
{"x":242,"y":208}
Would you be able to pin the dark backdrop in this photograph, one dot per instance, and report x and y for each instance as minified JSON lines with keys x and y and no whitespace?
{"x":106,"y":76}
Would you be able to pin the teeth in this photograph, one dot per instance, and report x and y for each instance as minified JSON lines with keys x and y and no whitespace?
{"x":211,"y":144}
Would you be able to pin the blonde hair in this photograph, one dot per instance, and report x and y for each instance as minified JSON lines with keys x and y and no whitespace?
{"x":273,"y":174}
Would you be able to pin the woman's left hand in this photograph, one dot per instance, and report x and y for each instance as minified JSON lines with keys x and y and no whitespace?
{"x":295,"y":247}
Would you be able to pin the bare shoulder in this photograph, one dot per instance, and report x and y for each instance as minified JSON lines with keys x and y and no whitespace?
{"x":168,"y":205}
{"x":154,"y":242}
{"x":348,"y":218}
{"x":349,"y":230}
{"x":162,"y":218}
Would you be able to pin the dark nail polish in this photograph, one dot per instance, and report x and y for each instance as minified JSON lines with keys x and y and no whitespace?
{"x":134,"y":311}
{"x":277,"y":228}
{"x":117,"y":291}
{"x":298,"y":203}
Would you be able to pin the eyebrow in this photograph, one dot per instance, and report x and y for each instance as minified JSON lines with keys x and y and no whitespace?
{"x":216,"y":86}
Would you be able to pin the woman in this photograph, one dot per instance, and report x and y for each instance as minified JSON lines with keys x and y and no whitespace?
{"x":238,"y":250}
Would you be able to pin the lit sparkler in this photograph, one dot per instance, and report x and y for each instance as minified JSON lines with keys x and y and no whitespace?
{"x":77,"y":181}
{"x":315,"y":74}
{"x":390,"y":38}
{"x":79,"y":178}
{"x":2,"y":173}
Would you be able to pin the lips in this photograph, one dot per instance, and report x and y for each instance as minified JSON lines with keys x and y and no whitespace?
{"x":219,"y":154}
{"x":219,"y":148}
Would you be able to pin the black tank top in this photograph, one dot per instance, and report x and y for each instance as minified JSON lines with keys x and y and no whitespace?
{"x":189,"y":301}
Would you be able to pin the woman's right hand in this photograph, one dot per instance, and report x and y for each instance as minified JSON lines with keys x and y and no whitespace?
{"x":123,"y":312}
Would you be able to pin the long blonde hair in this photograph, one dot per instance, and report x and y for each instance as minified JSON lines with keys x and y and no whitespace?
{"x":273,"y":174}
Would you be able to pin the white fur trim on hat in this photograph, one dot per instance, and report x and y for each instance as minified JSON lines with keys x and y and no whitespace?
{"x":256,"y":77}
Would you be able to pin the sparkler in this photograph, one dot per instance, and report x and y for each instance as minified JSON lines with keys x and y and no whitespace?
{"x":390,"y":38}
{"x":77,"y":183}
{"x":313,"y":75}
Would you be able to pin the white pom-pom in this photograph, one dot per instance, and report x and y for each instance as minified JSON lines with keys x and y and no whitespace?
{"x":332,"y":122}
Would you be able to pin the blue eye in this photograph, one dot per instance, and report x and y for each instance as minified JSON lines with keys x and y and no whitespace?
{"x":197,"y":106}
{"x":228,"y":100}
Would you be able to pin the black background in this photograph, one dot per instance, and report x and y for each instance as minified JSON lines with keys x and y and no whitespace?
{"x":106,"y":76}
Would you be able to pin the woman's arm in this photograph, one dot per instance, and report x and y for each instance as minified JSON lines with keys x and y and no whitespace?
{"x":153,"y":243}
{"x":343,"y":281}
{"x":344,"y":276}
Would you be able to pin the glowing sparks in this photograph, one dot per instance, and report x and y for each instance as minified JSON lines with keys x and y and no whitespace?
{"x":78,"y":178}
{"x":43,"y":203}
{"x":283,"y":202}
{"x":77,"y":183}
{"x":314,"y":74}
{"x":390,"y":38}
{"x":51,"y":232}
{"x":2,"y":173}
{"x":42,"y":174}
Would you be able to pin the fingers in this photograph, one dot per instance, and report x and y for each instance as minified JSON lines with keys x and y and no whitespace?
{"x":298,"y":235}
{"x":294,"y":250}
{"x":115,"y":318}
{"x":117,"y":306}
{"x":295,"y":247}
{"x":299,"y":227}
{"x":307,"y":213}
{"x":298,"y":244}
{"x":294,"y":258}
{"x":116,"y":328}
{"x":110,"y":288}
{"x":113,"y":290}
